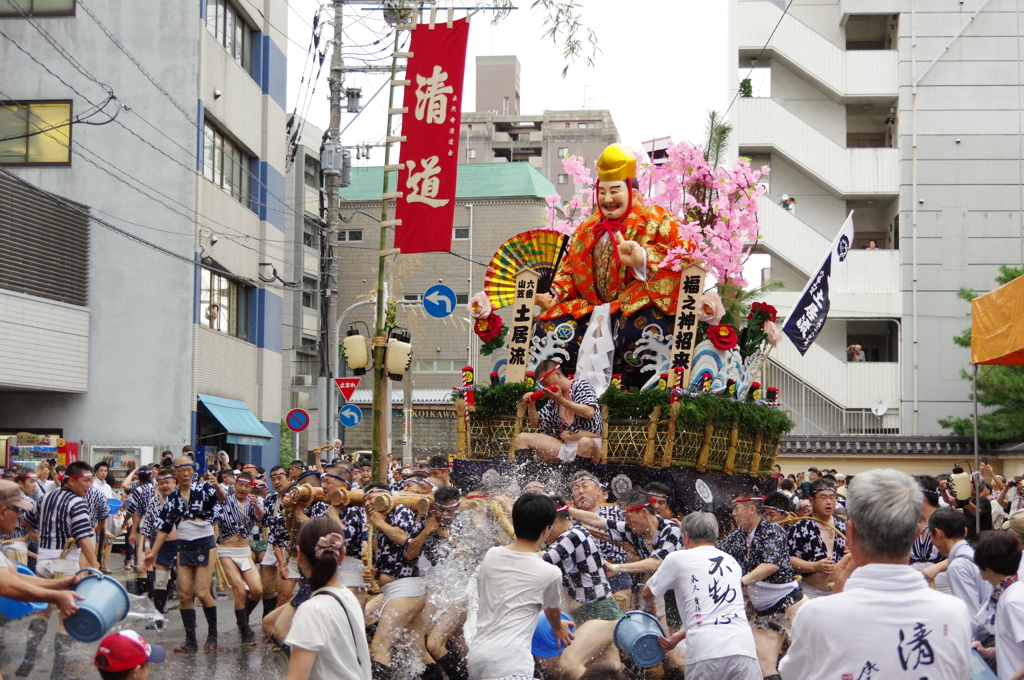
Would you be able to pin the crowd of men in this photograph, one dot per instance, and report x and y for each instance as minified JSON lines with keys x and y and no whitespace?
{"x":877,"y":576}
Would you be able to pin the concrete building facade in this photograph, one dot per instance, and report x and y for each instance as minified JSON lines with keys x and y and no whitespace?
{"x":193,"y":168}
{"x":499,"y":133}
{"x":906,"y":113}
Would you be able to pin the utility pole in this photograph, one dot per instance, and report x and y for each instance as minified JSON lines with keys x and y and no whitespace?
{"x":332,"y":185}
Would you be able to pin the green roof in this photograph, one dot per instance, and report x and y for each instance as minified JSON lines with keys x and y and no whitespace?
{"x":476,"y":180}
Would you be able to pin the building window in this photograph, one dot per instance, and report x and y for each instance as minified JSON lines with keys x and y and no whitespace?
{"x":312,"y":172}
{"x":469,"y":127}
{"x":309,"y":234}
{"x":413,"y":297}
{"x":462,"y":298}
{"x":226,"y":164}
{"x":35,"y":132}
{"x":563,"y":179}
{"x":232,"y":31}
{"x":436,"y":366}
{"x":470,"y":153}
{"x":305,"y":364}
{"x":587,"y":126}
{"x":461,"y":233}
{"x":225,"y":304}
{"x":309,"y":296}
{"x":350,"y":235}
{"x":563,"y":152}
{"x":36,"y":7}
{"x":567,"y":126}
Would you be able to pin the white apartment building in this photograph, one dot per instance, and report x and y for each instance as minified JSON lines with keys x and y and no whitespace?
{"x":177,"y":339}
{"x":908,"y":114}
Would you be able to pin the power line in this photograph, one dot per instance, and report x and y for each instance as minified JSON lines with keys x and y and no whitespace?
{"x":160,"y":88}
{"x":132,"y":237}
{"x":758,"y":58}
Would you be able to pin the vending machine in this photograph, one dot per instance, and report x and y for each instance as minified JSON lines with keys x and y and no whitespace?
{"x":121,"y":459}
{"x":25,"y":449}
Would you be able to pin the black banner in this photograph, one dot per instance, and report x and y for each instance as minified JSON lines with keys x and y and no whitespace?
{"x":691,"y":491}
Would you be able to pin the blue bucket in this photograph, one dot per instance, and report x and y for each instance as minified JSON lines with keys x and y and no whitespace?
{"x":106,"y":602}
{"x":545,"y":645}
{"x":15,"y":610}
{"x":636,"y":636}
{"x":114,"y":505}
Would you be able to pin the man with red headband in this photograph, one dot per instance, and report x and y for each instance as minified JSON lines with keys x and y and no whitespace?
{"x":614,"y":259}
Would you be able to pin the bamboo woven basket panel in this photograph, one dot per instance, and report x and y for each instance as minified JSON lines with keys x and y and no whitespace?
{"x":686,"y":448}
{"x":490,"y":437}
{"x":719,"y":448}
{"x":744,"y":453}
{"x":769,"y":451}
{"x":627,"y":441}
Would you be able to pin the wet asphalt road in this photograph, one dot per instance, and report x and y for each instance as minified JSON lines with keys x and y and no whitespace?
{"x":247,"y":663}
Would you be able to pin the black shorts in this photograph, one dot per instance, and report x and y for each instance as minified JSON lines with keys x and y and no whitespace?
{"x":168,"y":555}
{"x":195,"y":553}
{"x":769,"y":618}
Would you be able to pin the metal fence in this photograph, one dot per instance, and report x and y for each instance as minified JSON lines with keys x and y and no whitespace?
{"x":814,"y":413}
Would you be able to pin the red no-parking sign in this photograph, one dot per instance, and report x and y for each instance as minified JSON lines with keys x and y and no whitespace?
{"x":297,"y":420}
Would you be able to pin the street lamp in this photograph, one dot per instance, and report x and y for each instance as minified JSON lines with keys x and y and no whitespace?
{"x":357,"y":352}
{"x":399,"y":353}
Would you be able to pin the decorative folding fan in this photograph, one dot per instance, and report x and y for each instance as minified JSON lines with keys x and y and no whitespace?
{"x":538,"y":249}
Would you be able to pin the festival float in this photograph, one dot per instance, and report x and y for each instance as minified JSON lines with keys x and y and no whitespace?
{"x":679,"y":374}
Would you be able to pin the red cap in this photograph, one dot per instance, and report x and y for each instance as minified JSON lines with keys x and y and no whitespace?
{"x":126,"y":649}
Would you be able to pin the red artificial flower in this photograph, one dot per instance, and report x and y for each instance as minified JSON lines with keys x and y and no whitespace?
{"x":723,"y":336}
{"x":772,"y":313}
{"x":488,"y":328}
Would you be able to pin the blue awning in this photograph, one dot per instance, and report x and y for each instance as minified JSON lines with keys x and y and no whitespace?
{"x":241,"y":425}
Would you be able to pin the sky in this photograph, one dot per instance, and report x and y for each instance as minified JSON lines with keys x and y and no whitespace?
{"x":660,"y":69}
{"x":653,"y":85}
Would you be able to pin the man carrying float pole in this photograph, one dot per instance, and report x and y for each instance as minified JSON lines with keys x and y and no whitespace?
{"x":614,"y":259}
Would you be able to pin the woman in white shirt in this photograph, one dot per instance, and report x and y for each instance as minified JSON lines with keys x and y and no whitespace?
{"x":327,"y":635}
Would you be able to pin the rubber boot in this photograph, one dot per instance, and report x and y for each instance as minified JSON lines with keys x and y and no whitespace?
{"x":36,"y":631}
{"x":250,"y":605}
{"x":188,"y":619}
{"x":61,"y":648}
{"x":269,"y":605}
{"x":160,"y":600}
{"x":211,"y":629}
{"x":246,"y":633}
{"x":431,"y":672}
{"x":454,"y":666}
{"x":379,"y":671}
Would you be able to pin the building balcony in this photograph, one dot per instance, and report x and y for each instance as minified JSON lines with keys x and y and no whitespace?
{"x":786,"y":236}
{"x":869,"y":288}
{"x":763,"y":125}
{"x":844,"y":75}
{"x":859,"y":7}
{"x":851,"y":385}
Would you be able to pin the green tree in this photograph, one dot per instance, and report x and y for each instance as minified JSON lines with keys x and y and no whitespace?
{"x":287,"y":450}
{"x":1000,"y":388}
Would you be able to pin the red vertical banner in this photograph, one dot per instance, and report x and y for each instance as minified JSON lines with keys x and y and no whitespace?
{"x":430,"y":152}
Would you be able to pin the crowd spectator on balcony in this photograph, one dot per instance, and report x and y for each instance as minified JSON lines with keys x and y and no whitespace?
{"x":856,"y":353}
{"x":872,"y":245}
{"x":788,"y":203}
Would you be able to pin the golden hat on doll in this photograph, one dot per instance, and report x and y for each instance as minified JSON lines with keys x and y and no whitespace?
{"x":616,"y":164}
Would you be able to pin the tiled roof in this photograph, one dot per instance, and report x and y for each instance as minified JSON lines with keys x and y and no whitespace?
{"x":880,"y":444}
{"x":475,"y":180}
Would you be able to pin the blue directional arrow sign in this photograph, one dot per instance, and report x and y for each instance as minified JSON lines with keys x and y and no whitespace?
{"x":439,"y":301}
{"x":350,"y":415}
